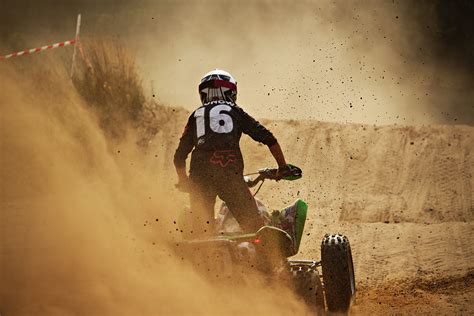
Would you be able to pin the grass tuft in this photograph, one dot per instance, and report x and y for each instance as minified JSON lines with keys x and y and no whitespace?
{"x":109,"y":82}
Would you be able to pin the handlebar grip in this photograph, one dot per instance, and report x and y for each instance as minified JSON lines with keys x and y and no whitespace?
{"x":275,"y":174}
{"x":268,"y":173}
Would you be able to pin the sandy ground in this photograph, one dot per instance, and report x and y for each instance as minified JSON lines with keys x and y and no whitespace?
{"x":81,"y":222}
{"x":403,"y":195}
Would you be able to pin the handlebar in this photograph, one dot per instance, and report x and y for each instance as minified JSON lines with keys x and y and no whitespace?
{"x":292,"y":173}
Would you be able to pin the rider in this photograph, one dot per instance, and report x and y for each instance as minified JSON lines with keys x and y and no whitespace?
{"x":216,"y":168}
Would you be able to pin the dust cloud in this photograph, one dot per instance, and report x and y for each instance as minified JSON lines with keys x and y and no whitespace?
{"x":78,"y":214}
{"x":86,"y":225}
{"x":377,"y":62}
{"x":358,"y":61}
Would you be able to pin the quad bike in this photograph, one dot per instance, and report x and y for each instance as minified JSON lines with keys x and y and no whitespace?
{"x":231,"y":254}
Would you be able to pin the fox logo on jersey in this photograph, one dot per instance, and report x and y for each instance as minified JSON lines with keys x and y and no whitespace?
{"x":223,"y":157}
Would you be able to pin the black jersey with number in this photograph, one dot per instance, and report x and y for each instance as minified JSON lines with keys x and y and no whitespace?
{"x":214,"y":131}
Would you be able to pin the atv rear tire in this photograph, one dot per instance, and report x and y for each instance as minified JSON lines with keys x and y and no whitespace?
{"x":338,"y":272}
{"x":308,"y":286}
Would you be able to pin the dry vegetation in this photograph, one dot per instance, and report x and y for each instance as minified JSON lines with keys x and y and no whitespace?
{"x":109,"y":82}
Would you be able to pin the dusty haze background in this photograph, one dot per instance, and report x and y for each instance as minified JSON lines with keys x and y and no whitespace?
{"x":377,"y":62}
{"x":78,"y":229}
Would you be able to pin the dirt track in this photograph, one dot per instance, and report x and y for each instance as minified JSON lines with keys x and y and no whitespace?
{"x":72,"y":207}
{"x":405,"y":198}
{"x":403,"y":195}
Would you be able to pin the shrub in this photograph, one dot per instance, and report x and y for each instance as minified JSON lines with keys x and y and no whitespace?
{"x":107,"y":78}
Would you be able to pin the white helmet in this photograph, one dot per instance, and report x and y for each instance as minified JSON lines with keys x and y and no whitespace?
{"x":218,"y":85}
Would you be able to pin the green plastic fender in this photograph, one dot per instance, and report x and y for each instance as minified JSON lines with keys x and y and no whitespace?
{"x":300,"y":220}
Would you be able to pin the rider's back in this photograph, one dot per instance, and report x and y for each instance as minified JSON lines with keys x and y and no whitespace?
{"x":214,"y":131}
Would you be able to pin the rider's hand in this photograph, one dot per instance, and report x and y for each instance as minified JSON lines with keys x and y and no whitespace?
{"x":183,"y":185}
{"x":283,"y":171}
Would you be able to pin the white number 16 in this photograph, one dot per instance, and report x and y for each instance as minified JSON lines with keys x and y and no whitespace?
{"x":218,"y":122}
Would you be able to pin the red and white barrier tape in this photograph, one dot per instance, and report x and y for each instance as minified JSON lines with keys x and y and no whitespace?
{"x":39,"y":49}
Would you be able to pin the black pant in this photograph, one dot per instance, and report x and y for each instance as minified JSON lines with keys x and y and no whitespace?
{"x":229,"y":186}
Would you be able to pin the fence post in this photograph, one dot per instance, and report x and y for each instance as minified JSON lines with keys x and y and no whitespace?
{"x":78,"y":28}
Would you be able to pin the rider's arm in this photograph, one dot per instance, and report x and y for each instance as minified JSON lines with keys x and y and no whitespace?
{"x":259,"y":133}
{"x":186,"y":144}
{"x":277,"y":153}
{"x":254,"y":129}
{"x":181,"y":172}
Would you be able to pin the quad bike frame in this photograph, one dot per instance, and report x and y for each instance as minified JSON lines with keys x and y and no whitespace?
{"x":233,"y":256}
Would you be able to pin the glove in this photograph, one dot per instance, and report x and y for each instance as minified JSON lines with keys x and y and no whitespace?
{"x":283,"y":171}
{"x":183,"y":185}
